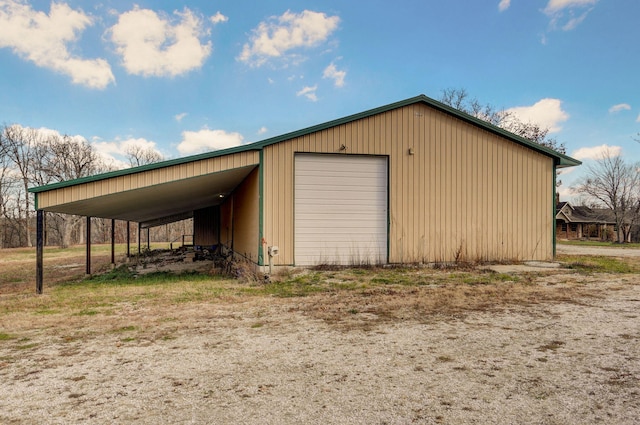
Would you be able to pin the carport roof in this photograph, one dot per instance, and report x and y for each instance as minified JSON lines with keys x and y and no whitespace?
{"x":158,"y":204}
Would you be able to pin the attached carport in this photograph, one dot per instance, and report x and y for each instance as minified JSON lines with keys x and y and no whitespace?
{"x":150,"y":195}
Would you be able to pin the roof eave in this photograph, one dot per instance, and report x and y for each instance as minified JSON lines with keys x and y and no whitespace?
{"x":142,"y":168}
{"x":560,"y":160}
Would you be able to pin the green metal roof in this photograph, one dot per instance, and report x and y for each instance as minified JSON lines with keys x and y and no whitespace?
{"x":561,"y":160}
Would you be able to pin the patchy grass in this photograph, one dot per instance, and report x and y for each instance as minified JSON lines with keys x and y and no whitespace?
{"x":6,"y":336}
{"x":597,"y":264}
{"x":359,"y":296}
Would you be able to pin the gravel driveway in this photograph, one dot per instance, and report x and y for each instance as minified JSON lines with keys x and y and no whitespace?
{"x":271,"y":362}
{"x":597,"y":250}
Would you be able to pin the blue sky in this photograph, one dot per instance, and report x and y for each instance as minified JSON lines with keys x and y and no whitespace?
{"x":192,"y":76}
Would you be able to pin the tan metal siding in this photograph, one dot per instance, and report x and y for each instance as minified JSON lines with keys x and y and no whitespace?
{"x":239,"y":218}
{"x":465,"y":193}
{"x":146,"y":178}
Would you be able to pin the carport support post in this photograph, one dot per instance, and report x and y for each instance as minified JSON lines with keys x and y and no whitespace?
{"x":139,"y":233}
{"x":39,"y":249}
{"x":113,"y":242}
{"x":88,"y":268}
{"x":128,"y":240}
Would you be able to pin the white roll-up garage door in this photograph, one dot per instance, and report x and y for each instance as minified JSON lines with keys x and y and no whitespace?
{"x":340,"y":209}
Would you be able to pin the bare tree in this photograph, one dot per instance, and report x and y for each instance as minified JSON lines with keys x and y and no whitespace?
{"x":22,"y":146}
{"x":67,"y":158}
{"x":462,"y":101}
{"x":138,"y":155}
{"x":614,"y":183}
{"x":7,"y":184}
{"x":35,"y":157}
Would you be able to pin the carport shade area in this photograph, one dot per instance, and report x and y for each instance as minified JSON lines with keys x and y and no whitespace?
{"x":154,"y":196}
{"x":152,"y":205}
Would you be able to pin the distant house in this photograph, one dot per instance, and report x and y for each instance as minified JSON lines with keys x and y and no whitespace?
{"x":580,"y":222}
{"x":413,"y":181}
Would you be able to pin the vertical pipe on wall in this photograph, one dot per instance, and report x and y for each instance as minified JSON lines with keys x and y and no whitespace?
{"x":88,"y":241}
{"x":39,"y":250}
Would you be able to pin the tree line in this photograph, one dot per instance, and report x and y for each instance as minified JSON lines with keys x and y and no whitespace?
{"x":33,"y":157}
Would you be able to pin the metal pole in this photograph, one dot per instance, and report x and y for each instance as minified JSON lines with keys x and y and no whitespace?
{"x":139,"y":236}
{"x":113,"y":241}
{"x":128,"y":240}
{"x":39,"y":250}
{"x":88,"y":269}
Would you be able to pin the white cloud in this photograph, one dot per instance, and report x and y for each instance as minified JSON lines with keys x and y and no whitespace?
{"x":309,"y":93}
{"x":568,"y":14}
{"x":504,"y":5}
{"x":208,"y":140}
{"x":139,"y":143}
{"x":573,"y":22}
{"x":278,"y":35}
{"x":619,"y":107}
{"x":262,"y":130}
{"x":45,"y":40}
{"x":596,"y":152}
{"x":154,"y":45}
{"x":113,"y":152}
{"x":547,"y":113}
{"x":218,"y":18}
{"x":565,"y":192}
{"x":180,"y":116}
{"x":555,"y":6}
{"x":332,"y":72}
{"x":638,"y":119}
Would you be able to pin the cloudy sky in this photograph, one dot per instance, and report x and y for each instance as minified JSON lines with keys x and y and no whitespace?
{"x":184,"y":77}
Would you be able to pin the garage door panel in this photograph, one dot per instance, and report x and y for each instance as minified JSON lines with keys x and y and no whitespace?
{"x":340,"y":209}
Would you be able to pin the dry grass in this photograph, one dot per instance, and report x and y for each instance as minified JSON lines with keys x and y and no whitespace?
{"x":350,"y":298}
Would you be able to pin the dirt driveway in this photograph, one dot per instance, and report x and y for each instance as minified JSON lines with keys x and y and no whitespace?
{"x":279,"y":361}
{"x":597,"y":250}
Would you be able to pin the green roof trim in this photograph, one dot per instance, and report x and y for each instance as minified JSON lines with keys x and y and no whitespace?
{"x":560,"y":159}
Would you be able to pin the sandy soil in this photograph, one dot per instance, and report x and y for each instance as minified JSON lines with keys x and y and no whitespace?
{"x":272,"y":361}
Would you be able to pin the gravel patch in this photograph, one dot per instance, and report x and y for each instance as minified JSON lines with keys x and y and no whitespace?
{"x":270,"y":362}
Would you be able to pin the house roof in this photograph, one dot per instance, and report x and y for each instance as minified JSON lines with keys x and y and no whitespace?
{"x":560,"y":160}
{"x":582,"y":214}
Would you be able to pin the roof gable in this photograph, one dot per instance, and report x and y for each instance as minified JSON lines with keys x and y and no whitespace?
{"x":560,"y":160}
